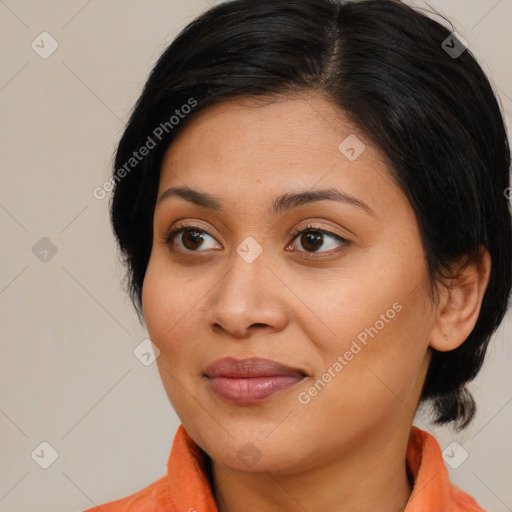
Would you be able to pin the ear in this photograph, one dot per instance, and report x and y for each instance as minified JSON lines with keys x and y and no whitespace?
{"x":460,"y":303}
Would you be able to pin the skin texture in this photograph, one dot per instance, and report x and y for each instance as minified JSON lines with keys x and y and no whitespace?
{"x":345,"y":448}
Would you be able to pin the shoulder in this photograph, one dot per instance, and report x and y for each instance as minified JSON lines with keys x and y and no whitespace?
{"x":145,"y":500}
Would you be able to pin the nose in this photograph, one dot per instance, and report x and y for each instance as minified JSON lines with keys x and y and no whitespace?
{"x":249,"y":298}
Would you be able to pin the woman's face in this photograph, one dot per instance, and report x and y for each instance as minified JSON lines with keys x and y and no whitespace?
{"x":348,"y":311}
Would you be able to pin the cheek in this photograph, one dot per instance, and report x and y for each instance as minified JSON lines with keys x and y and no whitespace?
{"x":377,"y":378}
{"x":354,"y":304}
{"x":173,"y":306}
{"x":165,"y":304}
{"x":155,"y":303}
{"x":392,"y":356}
{"x":168,"y":313}
{"x":379,"y":325}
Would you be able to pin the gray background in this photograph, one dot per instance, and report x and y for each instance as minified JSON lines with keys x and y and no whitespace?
{"x":68,"y":374}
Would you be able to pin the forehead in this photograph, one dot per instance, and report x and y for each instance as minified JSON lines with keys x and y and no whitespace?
{"x":288,"y":127}
{"x":263,"y":146}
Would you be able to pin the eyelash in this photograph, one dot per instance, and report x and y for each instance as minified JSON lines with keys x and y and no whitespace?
{"x":168,"y":239}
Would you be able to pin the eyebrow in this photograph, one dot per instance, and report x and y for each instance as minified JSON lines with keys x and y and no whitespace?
{"x":281,"y":204}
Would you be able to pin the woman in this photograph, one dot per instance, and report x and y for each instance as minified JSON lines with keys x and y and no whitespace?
{"x":310,"y":199}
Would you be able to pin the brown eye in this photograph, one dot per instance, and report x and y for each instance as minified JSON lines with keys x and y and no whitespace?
{"x":313,"y":239}
{"x":192,"y":238}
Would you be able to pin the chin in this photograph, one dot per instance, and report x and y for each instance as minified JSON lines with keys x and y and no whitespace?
{"x":254,"y":458}
{"x":247,"y":450}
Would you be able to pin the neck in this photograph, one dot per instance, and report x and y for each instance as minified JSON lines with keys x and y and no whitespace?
{"x":372,"y":475}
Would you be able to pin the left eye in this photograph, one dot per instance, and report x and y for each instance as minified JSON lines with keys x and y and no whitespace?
{"x":314,"y":239}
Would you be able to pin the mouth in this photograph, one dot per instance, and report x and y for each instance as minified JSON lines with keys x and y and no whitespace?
{"x":251,"y":380}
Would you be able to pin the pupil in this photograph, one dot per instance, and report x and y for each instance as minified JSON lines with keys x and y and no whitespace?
{"x":195,"y":237}
{"x":313,"y":239}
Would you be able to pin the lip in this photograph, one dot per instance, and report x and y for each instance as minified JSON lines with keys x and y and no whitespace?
{"x":251,"y":380}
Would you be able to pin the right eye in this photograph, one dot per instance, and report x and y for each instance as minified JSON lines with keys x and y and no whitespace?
{"x":194,"y":237}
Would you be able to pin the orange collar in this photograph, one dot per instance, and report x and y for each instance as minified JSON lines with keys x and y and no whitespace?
{"x":186,"y":487}
{"x":433,"y":491}
{"x":189,"y":486}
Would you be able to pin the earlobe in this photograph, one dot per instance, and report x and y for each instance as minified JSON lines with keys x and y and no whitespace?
{"x":460,"y":303}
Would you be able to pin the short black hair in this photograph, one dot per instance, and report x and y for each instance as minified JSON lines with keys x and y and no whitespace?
{"x":388,"y":67}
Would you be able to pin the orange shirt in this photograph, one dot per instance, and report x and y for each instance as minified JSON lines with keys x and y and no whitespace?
{"x":186,"y":487}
